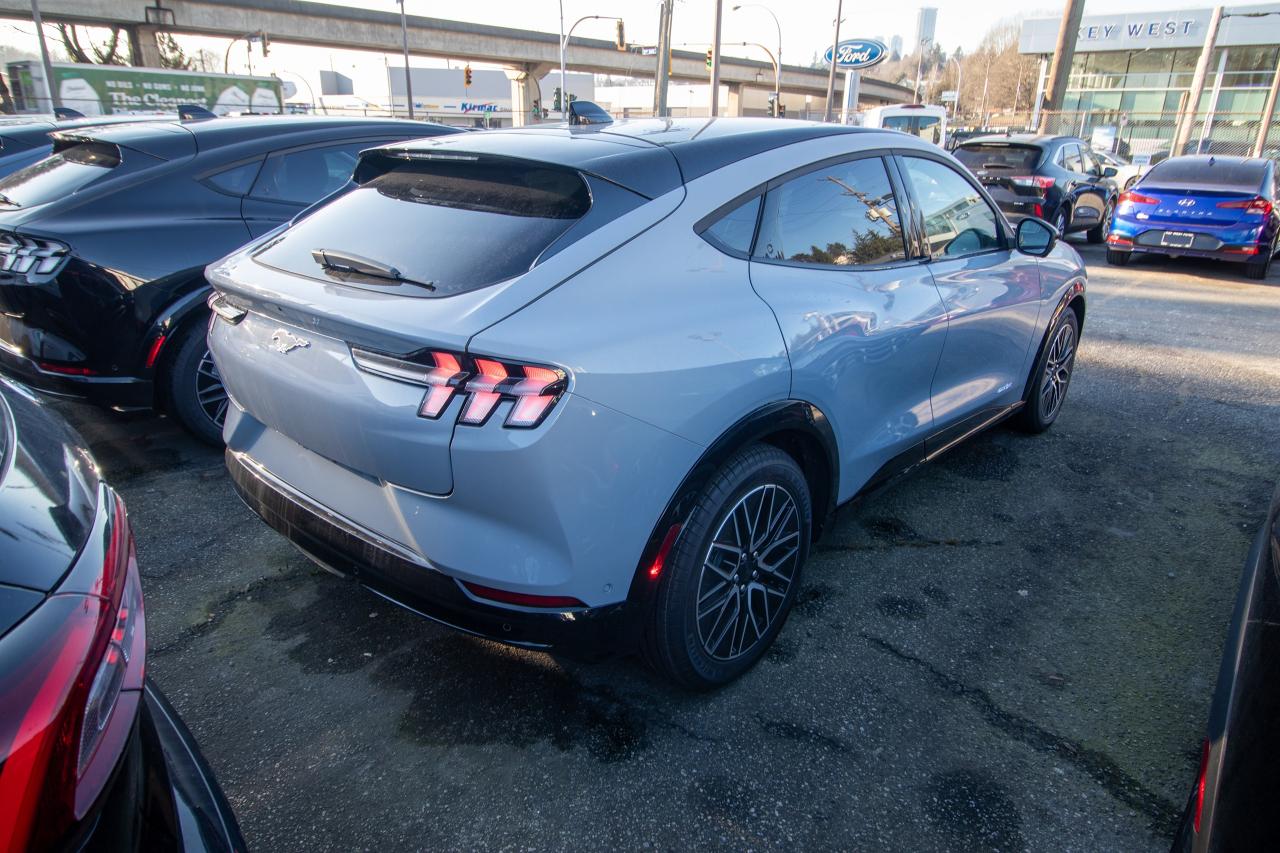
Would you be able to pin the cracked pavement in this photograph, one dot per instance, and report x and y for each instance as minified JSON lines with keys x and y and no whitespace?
{"x":1013,"y":649}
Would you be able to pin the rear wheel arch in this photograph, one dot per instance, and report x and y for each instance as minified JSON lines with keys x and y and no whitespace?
{"x":799,"y":429}
{"x":1072,"y":300}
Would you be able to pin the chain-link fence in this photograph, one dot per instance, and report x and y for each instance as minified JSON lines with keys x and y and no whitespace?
{"x":1151,"y":135}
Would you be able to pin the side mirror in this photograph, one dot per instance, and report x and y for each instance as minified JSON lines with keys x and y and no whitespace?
{"x":1109,"y":172}
{"x":1035,"y":237}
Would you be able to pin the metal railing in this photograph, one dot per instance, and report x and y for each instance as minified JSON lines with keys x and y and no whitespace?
{"x":1152,"y":134}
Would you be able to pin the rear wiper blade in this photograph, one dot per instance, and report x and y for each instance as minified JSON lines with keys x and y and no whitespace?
{"x":4,"y":199}
{"x":349,"y":264}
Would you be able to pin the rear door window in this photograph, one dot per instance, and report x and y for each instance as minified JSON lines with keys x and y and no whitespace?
{"x":987,"y":156}
{"x":457,"y":225}
{"x":308,"y":175}
{"x":60,"y":175}
{"x":1071,"y":158}
{"x":844,"y":214}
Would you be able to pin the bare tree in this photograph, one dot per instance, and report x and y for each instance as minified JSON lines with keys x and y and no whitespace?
{"x":111,"y":51}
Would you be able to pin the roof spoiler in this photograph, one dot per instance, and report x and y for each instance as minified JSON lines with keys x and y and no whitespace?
{"x":194,"y":112}
{"x":586,"y":112}
{"x":66,"y":113}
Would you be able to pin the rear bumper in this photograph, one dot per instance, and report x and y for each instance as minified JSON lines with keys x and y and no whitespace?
{"x":397,"y":575}
{"x":118,"y":392}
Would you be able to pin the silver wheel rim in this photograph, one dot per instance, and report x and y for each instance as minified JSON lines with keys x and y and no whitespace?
{"x":1057,"y":372}
{"x":1060,"y":222}
{"x":210,"y":395}
{"x":1106,"y":219}
{"x":747,"y":572}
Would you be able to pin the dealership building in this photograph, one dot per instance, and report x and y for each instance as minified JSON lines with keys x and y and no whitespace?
{"x":1132,"y":72}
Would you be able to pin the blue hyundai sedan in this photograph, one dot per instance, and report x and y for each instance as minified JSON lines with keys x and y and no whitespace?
{"x":1204,"y":207}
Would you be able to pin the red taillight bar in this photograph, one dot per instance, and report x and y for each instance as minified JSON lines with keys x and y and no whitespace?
{"x":1256,"y":205}
{"x":483,"y":381}
{"x":64,"y":369}
{"x":521,"y":599}
{"x":1117,"y":240}
{"x":1040,"y":182}
{"x":1131,"y":197}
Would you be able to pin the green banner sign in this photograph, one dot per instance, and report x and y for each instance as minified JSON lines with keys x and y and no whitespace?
{"x":108,"y":89}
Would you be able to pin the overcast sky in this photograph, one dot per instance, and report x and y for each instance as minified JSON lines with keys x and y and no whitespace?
{"x":805,"y":24}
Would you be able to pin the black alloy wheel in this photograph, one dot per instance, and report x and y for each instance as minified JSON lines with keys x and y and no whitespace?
{"x":1098,"y":233}
{"x":733,"y":573}
{"x":196,"y":394}
{"x":1047,"y":388}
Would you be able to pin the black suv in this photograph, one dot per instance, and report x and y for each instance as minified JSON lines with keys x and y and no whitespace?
{"x":103,"y":247}
{"x":1054,"y":178}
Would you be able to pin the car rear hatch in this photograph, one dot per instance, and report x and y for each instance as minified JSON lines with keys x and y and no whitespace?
{"x":436,"y":243}
{"x":34,"y":316}
{"x":1194,"y":206}
{"x":1007,"y":170}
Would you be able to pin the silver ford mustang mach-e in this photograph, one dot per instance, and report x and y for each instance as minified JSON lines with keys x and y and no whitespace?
{"x":601,"y":386}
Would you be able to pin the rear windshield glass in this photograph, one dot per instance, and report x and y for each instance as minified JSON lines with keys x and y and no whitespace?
{"x":59,"y":175}
{"x":992,"y":156}
{"x":457,"y":225}
{"x":1235,"y":174}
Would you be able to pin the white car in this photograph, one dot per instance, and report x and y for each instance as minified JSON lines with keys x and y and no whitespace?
{"x":1127,"y":173}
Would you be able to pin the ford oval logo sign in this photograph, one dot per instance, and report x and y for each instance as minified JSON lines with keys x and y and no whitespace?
{"x":858,"y":53}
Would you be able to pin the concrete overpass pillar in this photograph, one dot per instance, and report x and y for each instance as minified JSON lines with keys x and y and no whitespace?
{"x":734,"y":105}
{"x":525,"y":91}
{"x":142,"y":46}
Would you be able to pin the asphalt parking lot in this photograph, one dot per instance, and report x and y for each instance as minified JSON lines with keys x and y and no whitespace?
{"x":1013,"y":649}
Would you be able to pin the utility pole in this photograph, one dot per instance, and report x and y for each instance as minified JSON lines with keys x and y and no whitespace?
{"x":1060,"y":65}
{"x":1191,"y":105}
{"x":664,"y":59}
{"x":1267,"y":112}
{"x":408,"y":81}
{"x":54,"y":99}
{"x":715,"y":61}
{"x":831,"y":72}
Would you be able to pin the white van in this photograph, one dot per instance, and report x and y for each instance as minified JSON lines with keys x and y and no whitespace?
{"x":922,"y":120}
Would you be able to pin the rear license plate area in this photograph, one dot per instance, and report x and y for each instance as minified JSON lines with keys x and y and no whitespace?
{"x":1177,"y":239}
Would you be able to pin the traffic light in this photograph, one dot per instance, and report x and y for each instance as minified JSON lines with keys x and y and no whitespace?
{"x":773,"y":104}
{"x":266,"y":44}
{"x":555,"y":99}
{"x":671,"y":57}
{"x":709,"y":56}
{"x":466,"y":76}
{"x":621,"y":40}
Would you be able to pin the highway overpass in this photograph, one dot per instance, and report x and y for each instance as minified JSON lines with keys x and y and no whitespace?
{"x":527,"y":54}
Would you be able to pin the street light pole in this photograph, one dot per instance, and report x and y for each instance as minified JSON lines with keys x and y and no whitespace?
{"x":777,"y":84}
{"x":955,"y":105}
{"x":564,"y":42}
{"x":715,"y":60}
{"x":404,"y":38}
{"x":831,"y":73}
{"x":55,"y":99}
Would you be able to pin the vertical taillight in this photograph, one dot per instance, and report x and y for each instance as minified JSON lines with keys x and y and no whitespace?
{"x":483,"y":383}
{"x":1200,"y":780}
{"x":70,"y":691}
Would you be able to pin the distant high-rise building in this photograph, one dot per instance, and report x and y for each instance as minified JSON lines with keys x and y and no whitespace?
{"x":895,"y":46}
{"x":926,"y":25}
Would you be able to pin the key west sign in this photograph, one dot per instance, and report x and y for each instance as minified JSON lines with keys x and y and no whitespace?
{"x":853,"y":54}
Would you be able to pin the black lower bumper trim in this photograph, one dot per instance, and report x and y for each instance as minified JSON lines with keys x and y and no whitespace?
{"x":118,"y":392}
{"x":340,"y":546}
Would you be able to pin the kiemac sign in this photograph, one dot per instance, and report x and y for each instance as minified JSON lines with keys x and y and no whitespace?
{"x":853,"y":54}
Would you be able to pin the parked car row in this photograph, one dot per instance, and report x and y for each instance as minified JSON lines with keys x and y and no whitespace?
{"x":447,"y":366}
{"x":1206,"y":206}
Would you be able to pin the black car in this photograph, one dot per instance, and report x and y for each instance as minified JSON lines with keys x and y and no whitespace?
{"x":1054,"y":178}
{"x":91,"y":754}
{"x":26,"y":141}
{"x":1238,"y":784}
{"x":103,"y":247}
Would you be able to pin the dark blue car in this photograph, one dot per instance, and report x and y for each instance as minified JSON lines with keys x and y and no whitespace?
{"x":1202,"y":206}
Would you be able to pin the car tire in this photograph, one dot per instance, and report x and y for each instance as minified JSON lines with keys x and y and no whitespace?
{"x":1060,"y":221}
{"x":1118,"y":259}
{"x":1098,"y":233}
{"x":1258,"y":269}
{"x":1050,"y":378}
{"x":713,"y":592}
{"x":194,"y":388}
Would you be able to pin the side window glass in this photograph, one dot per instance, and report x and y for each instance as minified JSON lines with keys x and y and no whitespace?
{"x":306,"y":176}
{"x":957,"y":220}
{"x":735,"y":229}
{"x":237,"y":179}
{"x":1091,"y":166}
{"x":844,"y":214}
{"x":1071,"y":158}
